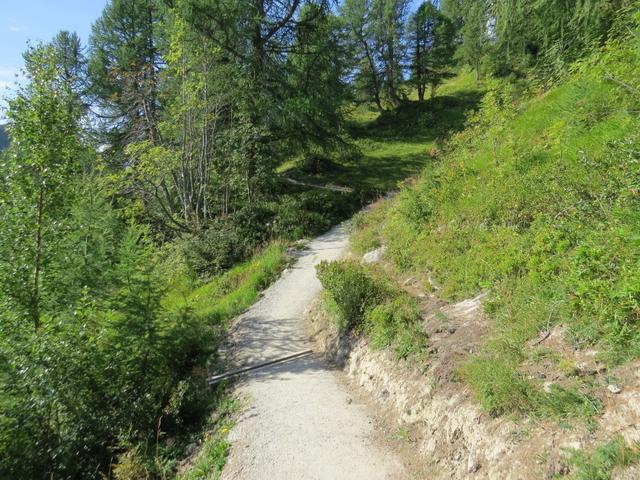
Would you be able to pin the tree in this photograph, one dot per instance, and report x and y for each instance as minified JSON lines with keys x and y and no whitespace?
{"x":257,"y":48}
{"x":317,"y":67}
{"x":46,"y":151}
{"x":124,"y":60}
{"x":514,"y":35}
{"x":390,"y":19}
{"x":357,"y":16}
{"x":71,"y":61}
{"x":475,"y":38}
{"x":432,"y":43}
{"x":376,"y":30}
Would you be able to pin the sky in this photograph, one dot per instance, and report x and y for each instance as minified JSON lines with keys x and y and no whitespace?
{"x":24,"y":20}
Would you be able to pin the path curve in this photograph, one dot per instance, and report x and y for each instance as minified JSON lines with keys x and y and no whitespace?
{"x":329,"y":186}
{"x":298,"y":422}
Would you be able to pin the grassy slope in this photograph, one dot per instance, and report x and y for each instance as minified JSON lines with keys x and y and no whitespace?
{"x":227,"y":295}
{"x":538,"y":204}
{"x":387,"y":154}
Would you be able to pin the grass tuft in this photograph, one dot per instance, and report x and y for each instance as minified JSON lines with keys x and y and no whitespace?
{"x":600,"y":463}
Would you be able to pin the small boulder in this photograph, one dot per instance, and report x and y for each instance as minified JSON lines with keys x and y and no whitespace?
{"x":474,"y":467}
{"x":191,"y":449}
{"x":614,"y":388}
{"x":374,"y":256}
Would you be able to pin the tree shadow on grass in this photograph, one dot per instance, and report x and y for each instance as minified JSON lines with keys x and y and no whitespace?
{"x":420,"y":122}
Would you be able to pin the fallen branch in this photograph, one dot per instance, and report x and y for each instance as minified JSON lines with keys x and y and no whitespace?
{"x":234,"y":373}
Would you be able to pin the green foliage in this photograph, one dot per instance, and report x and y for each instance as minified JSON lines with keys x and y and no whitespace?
{"x":123,"y":62}
{"x":353,"y":290}
{"x":124,"y":347}
{"x":364,"y":300}
{"x":138,"y":347}
{"x":211,"y":458}
{"x":475,"y":38}
{"x":499,"y":387}
{"x":397,"y":323}
{"x":600,"y":463}
{"x":432,"y":37}
{"x":376,"y":36}
{"x":537,"y":201}
{"x":107,"y":329}
{"x":232,"y":292}
{"x":543,"y":38}
{"x":45,"y":128}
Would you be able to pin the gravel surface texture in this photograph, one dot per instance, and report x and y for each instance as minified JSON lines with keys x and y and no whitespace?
{"x":298,"y":421}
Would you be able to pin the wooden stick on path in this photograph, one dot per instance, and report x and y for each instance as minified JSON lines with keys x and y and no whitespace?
{"x":234,"y":373}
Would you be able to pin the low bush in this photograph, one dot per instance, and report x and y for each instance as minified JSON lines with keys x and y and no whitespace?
{"x":363,"y":299}
{"x":397,"y":324}
{"x":353,"y":290}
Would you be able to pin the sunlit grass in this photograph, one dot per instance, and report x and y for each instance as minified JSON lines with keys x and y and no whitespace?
{"x":397,"y":143}
{"x":227,"y":295}
{"x":540,"y":209}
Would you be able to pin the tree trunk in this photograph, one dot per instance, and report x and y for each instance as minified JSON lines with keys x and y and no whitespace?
{"x":418,"y":61}
{"x":35,"y":299}
{"x":374,"y":75}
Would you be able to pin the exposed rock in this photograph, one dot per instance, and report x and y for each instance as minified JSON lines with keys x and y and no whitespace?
{"x":631,"y":472}
{"x":570,"y":446}
{"x":374,"y":256}
{"x":475,"y":466}
{"x":453,"y":437}
{"x":191,"y":449}
{"x":614,"y":388}
{"x":433,"y":283}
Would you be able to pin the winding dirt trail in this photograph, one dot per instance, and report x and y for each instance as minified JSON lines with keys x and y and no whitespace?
{"x":299,"y":422}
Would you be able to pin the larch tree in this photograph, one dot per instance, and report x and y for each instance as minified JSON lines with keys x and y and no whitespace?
{"x":376,"y":30}
{"x":432,"y":46}
{"x":124,"y":60}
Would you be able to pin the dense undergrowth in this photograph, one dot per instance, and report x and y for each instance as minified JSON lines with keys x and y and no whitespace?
{"x":537,"y":202}
{"x":209,"y":414}
{"x":122,"y":387}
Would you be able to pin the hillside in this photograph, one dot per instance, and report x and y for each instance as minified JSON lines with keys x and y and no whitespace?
{"x":180,"y":188}
{"x":533,"y":208}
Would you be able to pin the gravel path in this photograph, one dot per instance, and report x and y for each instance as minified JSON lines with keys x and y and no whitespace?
{"x":299,"y":422}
